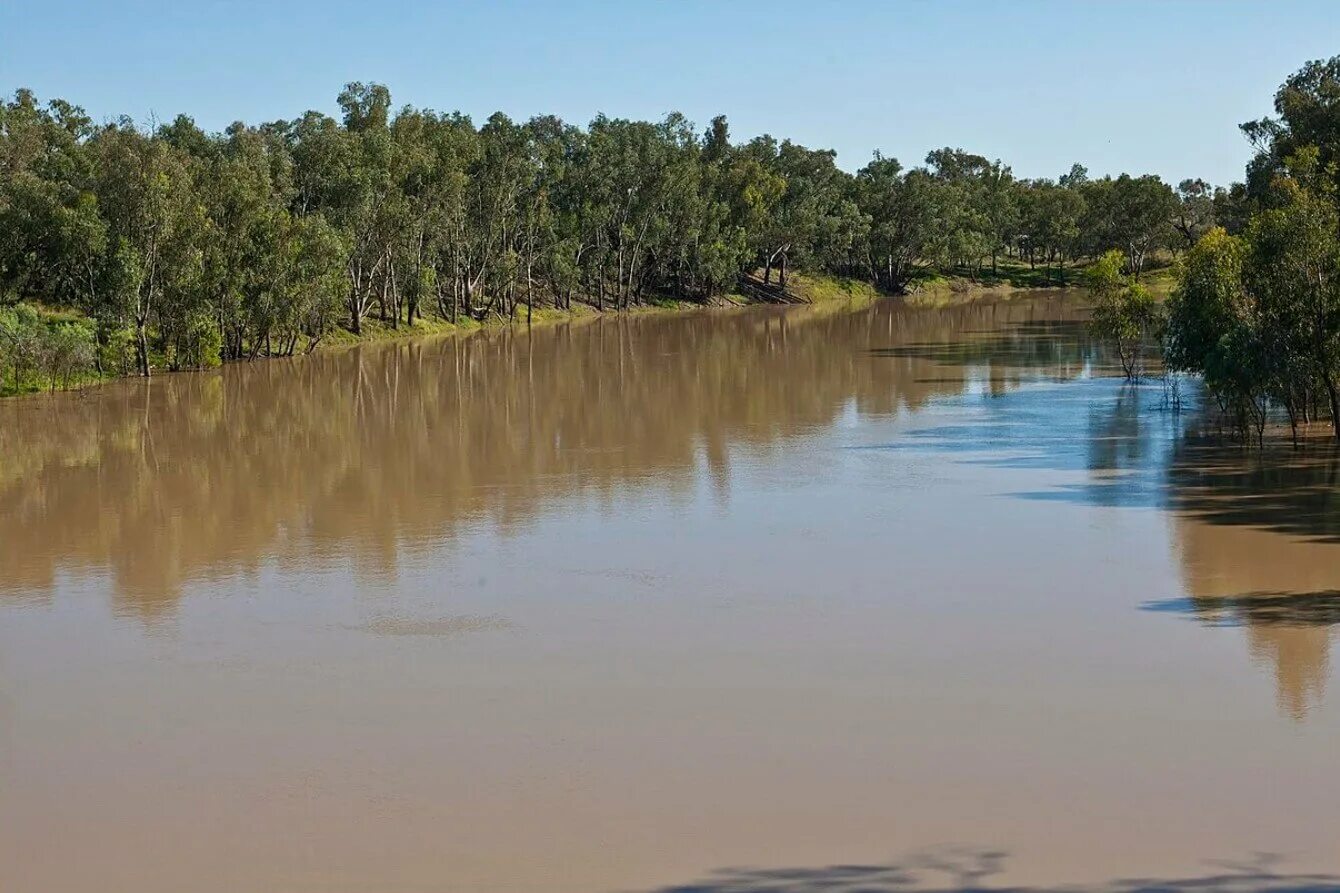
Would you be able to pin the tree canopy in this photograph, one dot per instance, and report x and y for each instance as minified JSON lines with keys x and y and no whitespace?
{"x":1257,"y":312}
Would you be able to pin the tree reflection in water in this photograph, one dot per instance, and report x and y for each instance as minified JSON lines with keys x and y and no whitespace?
{"x":352,"y":456}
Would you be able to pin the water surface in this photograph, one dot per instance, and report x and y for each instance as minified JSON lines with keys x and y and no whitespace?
{"x":620,"y":605}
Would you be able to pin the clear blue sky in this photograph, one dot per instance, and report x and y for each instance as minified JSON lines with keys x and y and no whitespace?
{"x":1140,"y":87}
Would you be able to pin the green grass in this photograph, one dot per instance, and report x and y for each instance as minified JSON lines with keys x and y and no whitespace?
{"x":373,"y":329}
{"x":821,"y":289}
{"x":1009,"y":275}
{"x":31,"y":383}
{"x":1160,"y":282}
{"x":1015,"y":275}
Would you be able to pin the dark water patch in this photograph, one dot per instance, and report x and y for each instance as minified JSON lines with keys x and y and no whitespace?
{"x":965,"y":871}
{"x":1256,"y":608}
{"x":1283,"y":490}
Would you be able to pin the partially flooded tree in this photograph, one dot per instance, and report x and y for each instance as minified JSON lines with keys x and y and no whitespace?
{"x":1214,"y":330}
{"x":1125,"y":314}
{"x":1293,"y":270}
{"x":1259,"y":316}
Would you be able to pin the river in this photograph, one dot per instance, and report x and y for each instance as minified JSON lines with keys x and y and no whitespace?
{"x":722,"y":601}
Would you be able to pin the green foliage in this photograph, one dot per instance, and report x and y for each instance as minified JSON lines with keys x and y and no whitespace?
{"x":1208,"y":302}
{"x":39,"y":350}
{"x":1292,"y":270}
{"x":1105,"y":276}
{"x":1133,"y":214}
{"x":115,"y":351}
{"x":1259,"y":316}
{"x":1303,"y":142}
{"x":1125,"y":313}
{"x":1257,"y":313}
{"x":264,"y":240}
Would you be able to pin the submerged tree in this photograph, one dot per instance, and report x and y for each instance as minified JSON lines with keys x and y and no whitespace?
{"x":1214,"y":329}
{"x":1125,"y":313}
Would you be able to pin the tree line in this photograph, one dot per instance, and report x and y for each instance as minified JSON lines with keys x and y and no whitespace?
{"x":185,"y":248}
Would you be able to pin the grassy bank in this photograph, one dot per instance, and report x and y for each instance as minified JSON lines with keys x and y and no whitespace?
{"x":1012,"y":276}
{"x":833,"y":289}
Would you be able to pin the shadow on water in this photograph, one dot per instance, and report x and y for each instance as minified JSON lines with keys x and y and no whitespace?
{"x":962,"y":870}
{"x":1288,"y":632}
{"x":1286,"y":491}
{"x":1258,"y":538}
{"x":1256,"y":609}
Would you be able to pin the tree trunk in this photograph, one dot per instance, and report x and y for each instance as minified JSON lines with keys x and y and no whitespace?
{"x":530,"y":294}
{"x":141,"y":348}
{"x":1334,"y":394}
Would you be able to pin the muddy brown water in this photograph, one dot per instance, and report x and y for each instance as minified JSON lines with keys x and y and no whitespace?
{"x":744,"y":601}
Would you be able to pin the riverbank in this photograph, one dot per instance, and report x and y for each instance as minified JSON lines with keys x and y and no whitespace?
{"x":32,"y":375}
{"x":1012,"y":276}
{"x":832,"y":293}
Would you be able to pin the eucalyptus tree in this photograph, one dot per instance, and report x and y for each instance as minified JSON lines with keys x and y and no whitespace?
{"x":1257,"y":308}
{"x":20,"y":342}
{"x":1232,"y":207}
{"x":243,"y":180}
{"x":628,"y":183}
{"x":152,"y":263}
{"x":1133,"y":214}
{"x":1303,"y":139}
{"x":807,"y":219}
{"x":966,"y":234}
{"x":52,"y":235}
{"x":1049,"y":222}
{"x":902,"y":217}
{"x":1194,"y":213}
{"x":1000,"y":208}
{"x":690,"y":218}
{"x":744,"y":191}
{"x":346,"y":172}
{"x":1293,"y":269}
{"x":1214,"y":327}
{"x":1125,"y":314}
{"x":444,"y":147}
{"x":555,"y":211}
